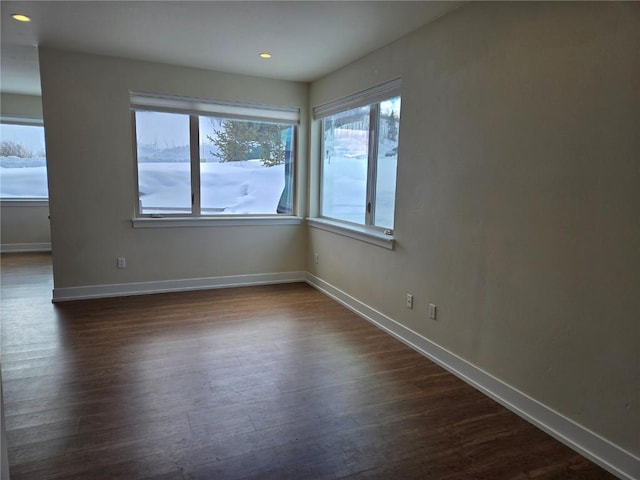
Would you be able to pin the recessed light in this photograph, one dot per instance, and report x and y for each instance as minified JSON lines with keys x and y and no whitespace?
{"x":265,"y":55}
{"x":20,"y":17}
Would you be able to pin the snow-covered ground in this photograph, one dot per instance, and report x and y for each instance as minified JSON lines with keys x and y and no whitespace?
{"x":344,"y":178}
{"x":165,"y":187}
{"x":23,"y":177}
{"x":244,"y":187}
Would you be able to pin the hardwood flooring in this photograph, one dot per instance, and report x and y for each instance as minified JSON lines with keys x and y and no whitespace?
{"x":274,"y":382}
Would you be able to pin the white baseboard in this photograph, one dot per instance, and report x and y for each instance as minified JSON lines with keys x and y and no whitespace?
{"x":25,"y":247}
{"x":165,"y":286}
{"x":609,"y":456}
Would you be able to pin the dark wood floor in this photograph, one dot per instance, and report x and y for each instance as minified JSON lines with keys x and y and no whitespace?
{"x":275,"y":382}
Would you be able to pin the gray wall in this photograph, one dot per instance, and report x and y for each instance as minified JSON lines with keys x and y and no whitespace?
{"x":4,"y":455}
{"x":23,"y":227}
{"x":91,"y":176}
{"x":518,"y":201}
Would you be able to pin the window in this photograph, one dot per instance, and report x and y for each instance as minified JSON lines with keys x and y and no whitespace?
{"x":359,"y":157}
{"x":164,"y":162}
{"x":23,"y":163}
{"x":222,"y":159}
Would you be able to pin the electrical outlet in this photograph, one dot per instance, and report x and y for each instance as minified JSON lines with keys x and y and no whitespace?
{"x":409,"y":301}
{"x":316,"y":257}
{"x":432,"y":311}
{"x":121,"y":262}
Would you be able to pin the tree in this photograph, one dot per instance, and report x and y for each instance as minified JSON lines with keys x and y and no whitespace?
{"x":232,"y":141}
{"x":392,"y":126}
{"x":13,"y":149}
{"x":239,"y":140}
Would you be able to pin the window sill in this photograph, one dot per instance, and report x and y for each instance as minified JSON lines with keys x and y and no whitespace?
{"x":361,"y":233}
{"x":24,"y":202}
{"x":214,"y":221}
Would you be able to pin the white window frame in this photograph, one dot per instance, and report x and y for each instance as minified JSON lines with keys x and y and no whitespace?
{"x":371,"y":97}
{"x":23,"y":201}
{"x":196,"y":108}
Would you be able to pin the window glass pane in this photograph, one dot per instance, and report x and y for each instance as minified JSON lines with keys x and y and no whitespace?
{"x":23,"y":163}
{"x":387,"y":162}
{"x":164,"y":175}
{"x":246,"y":167}
{"x":344,"y":165}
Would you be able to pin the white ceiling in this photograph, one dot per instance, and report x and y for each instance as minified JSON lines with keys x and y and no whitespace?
{"x":308,"y":39}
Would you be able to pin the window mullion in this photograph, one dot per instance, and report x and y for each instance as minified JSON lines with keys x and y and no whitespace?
{"x":374,"y":115}
{"x":194,"y":146}
{"x":323,"y":153}
{"x":134,"y":147}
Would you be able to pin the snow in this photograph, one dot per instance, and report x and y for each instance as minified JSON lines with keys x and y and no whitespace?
{"x":23,"y":177}
{"x":344,"y":178}
{"x":244,"y":187}
{"x":165,"y":187}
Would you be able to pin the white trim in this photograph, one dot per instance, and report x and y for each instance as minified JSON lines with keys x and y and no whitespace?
{"x":25,"y":247}
{"x":589,"y":444}
{"x":24,"y":202}
{"x":375,"y":94}
{"x":221,"y":221}
{"x":166,"y":286}
{"x":358,"y":232}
